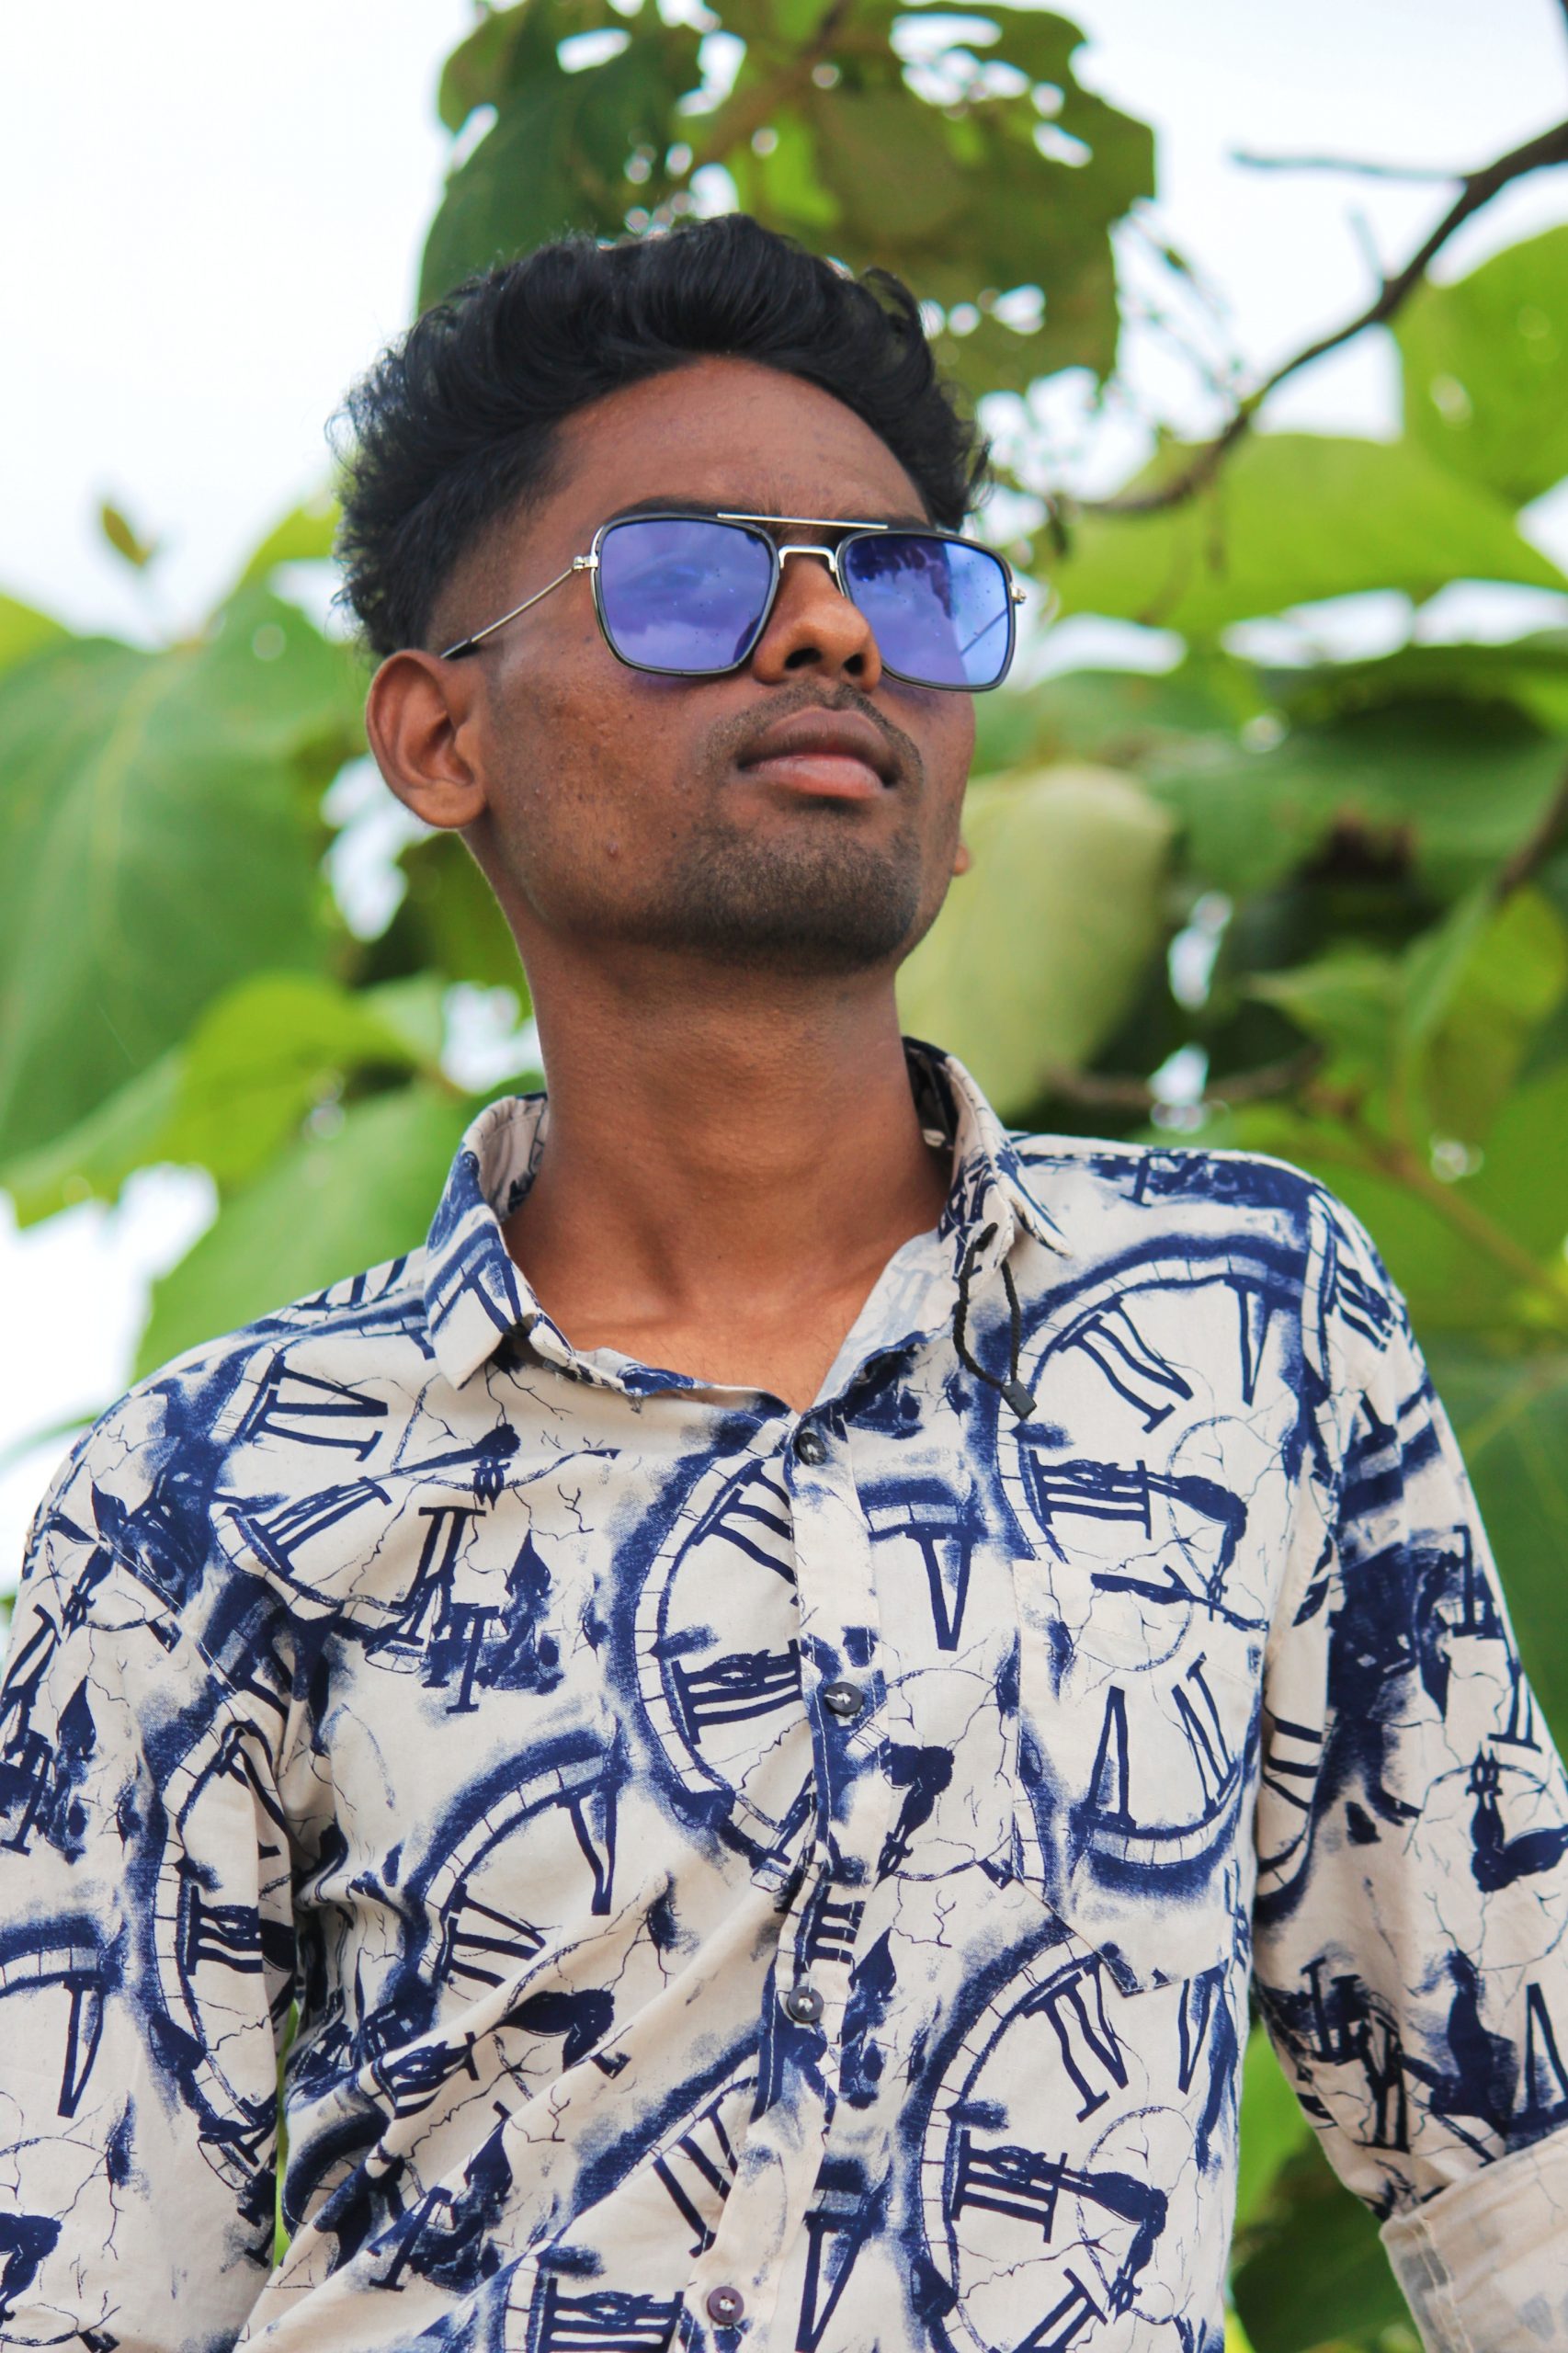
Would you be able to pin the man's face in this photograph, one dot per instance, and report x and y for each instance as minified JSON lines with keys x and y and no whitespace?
{"x":715,"y":817}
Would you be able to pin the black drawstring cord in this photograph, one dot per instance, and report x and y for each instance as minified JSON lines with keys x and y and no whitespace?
{"x":1012,"y":1390}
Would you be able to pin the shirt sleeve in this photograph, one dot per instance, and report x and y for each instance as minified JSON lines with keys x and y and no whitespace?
{"x":146,"y":1952}
{"x":1412,"y":1846}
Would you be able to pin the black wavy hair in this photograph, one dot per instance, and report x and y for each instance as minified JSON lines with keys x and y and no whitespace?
{"x":453,"y":426}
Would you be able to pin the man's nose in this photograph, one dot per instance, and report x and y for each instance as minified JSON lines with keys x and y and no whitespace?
{"x":814,"y":626}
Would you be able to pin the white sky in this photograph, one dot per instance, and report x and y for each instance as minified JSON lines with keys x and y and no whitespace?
{"x":211,"y":217}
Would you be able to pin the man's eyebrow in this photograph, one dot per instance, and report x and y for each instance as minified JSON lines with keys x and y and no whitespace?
{"x":662,"y":507}
{"x":897,"y":521}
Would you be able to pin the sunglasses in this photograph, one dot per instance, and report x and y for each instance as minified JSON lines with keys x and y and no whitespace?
{"x":688,"y":596}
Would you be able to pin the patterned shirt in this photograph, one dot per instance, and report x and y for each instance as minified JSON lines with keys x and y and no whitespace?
{"x":757,"y":1878}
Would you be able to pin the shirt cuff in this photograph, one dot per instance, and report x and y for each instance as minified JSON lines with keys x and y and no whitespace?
{"x":1485,"y":2264}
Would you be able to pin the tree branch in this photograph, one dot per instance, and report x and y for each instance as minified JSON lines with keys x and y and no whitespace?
{"x":1113,"y":1092}
{"x":747,"y":111}
{"x":1476,"y":189}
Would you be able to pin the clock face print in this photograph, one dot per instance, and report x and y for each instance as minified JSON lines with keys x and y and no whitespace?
{"x":718,"y":1660}
{"x":212,"y":1947}
{"x":1064,"y":2148}
{"x":1181,"y":1378}
{"x":1145,"y":1602}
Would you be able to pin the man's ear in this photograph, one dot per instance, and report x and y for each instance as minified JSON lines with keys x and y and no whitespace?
{"x":420,"y":716}
{"x":962,"y":861}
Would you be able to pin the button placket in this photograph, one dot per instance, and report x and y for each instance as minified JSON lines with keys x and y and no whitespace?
{"x":810,"y":1981}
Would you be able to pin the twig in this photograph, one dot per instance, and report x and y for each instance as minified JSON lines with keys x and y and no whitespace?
{"x":1458,"y":1211}
{"x":1425,"y":172}
{"x":748,"y":111}
{"x":1360,"y":1146}
{"x":1107,"y":1091}
{"x":1476,"y":189}
{"x":1550,"y":832}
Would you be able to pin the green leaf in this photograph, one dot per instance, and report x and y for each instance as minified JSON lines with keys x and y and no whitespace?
{"x":1528,"y":675}
{"x":161,"y":845}
{"x":1452,"y":788}
{"x":124,"y":537}
{"x":959,"y":199}
{"x":1315,"y":2271}
{"x":303,"y":536}
{"x":93,"y":1159}
{"x":268,"y":1051}
{"x":555,"y":157}
{"x":1346,"y":1001}
{"x":474,"y":74}
{"x":1039,"y":950}
{"x":963,"y":204}
{"x":24,"y":631}
{"x":1475,"y":1008}
{"x":889,"y":165}
{"x":450,"y":919}
{"x":1273,"y":2126}
{"x":1445,"y":1029}
{"x":790,"y":188}
{"x":1119,"y":717}
{"x":1290,"y":519}
{"x":1487,"y":369}
{"x":1510,"y":1416}
{"x":330,"y":1206}
{"x":1454,"y":1283}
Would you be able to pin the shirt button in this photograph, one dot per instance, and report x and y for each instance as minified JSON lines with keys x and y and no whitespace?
{"x":842,"y":1698}
{"x":810,"y":1446}
{"x":725,"y":2305}
{"x":803,"y":2003}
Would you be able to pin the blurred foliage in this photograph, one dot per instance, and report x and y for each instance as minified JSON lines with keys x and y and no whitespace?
{"x":992,"y":194}
{"x":1318,"y":909}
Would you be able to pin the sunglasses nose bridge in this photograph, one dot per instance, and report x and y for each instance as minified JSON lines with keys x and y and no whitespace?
{"x":828,"y":555}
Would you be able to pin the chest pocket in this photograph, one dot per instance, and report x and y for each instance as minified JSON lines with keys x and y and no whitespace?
{"x":1137,"y":1735}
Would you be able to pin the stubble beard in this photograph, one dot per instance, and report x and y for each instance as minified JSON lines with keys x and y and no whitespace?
{"x":813,"y":907}
{"x":812,"y":899}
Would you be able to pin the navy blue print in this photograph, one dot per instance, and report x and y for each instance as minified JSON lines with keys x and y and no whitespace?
{"x":830,"y":1877}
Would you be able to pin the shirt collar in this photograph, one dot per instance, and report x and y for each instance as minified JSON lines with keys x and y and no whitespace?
{"x":990,"y":1184}
{"x":475,"y":1295}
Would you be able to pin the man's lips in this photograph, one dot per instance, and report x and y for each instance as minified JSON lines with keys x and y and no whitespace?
{"x":835,"y":755}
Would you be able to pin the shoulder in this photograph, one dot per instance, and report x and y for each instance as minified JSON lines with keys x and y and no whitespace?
{"x":1208,"y":1206}
{"x":141,"y":1488}
{"x":1180,"y":1184}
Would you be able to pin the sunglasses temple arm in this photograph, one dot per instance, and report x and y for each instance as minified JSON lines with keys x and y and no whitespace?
{"x":472,"y":644}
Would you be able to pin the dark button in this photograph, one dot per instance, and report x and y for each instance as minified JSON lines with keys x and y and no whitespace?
{"x":842,"y":1698}
{"x":810,"y":1446}
{"x":803,"y":2003}
{"x":725,"y":2305}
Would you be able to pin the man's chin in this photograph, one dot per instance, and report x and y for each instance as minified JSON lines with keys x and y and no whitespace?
{"x":838,"y":912}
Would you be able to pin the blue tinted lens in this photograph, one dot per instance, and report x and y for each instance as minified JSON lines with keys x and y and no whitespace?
{"x":681,"y":594}
{"x":940,"y":610}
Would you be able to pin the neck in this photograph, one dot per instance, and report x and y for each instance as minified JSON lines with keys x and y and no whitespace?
{"x":726,"y":1151}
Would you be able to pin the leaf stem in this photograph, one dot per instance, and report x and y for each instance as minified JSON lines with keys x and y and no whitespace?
{"x":1538,"y":845}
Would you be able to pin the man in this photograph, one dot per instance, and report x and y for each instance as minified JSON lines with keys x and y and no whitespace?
{"x":756,"y":1692}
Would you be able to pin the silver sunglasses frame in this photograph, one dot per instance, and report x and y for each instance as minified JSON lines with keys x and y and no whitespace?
{"x":850,"y":531}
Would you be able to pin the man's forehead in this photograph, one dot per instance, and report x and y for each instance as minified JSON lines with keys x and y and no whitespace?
{"x":725,"y":433}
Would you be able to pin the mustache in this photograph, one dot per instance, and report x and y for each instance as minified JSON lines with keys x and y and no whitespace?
{"x":738,"y":739}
